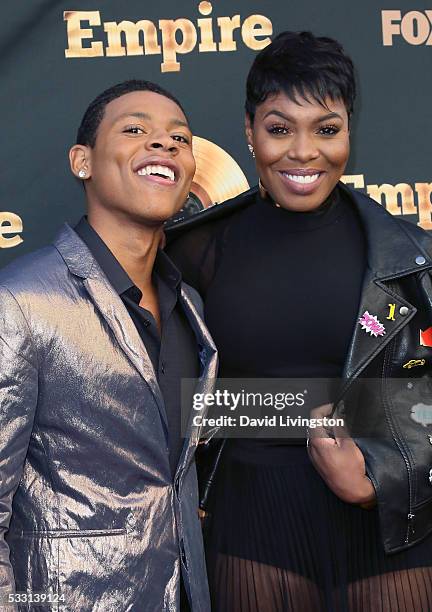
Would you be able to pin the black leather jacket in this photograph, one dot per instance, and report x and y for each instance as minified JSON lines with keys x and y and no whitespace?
{"x":397,"y":438}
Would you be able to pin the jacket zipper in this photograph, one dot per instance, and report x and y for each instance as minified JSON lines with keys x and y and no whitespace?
{"x":410,"y":515}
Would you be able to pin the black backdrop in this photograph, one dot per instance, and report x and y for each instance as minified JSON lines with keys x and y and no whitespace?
{"x":44,"y":93}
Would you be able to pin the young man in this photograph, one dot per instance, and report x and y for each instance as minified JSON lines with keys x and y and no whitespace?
{"x":98,"y":492}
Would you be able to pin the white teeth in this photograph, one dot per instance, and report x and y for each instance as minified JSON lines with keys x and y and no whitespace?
{"x":163,"y":170}
{"x":303,"y":179}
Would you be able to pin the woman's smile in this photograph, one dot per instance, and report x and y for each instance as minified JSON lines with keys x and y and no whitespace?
{"x":302,"y":181}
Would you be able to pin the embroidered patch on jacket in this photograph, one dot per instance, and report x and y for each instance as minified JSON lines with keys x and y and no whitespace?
{"x":371,"y":325}
{"x":426,"y":337}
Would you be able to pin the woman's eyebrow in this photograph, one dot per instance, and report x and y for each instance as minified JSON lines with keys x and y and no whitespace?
{"x":331,"y":115}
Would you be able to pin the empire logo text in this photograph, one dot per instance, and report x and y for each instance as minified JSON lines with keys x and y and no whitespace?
{"x":169,"y":37}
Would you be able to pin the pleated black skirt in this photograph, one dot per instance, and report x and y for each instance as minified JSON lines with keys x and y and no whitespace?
{"x":279,"y":540}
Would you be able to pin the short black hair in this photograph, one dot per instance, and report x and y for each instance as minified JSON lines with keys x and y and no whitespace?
{"x":300,"y":64}
{"x":90,"y":122}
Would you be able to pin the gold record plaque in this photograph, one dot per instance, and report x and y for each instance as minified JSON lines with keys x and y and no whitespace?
{"x":218,"y":176}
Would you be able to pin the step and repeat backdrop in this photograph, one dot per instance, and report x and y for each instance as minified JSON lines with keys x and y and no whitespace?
{"x":57,"y":55}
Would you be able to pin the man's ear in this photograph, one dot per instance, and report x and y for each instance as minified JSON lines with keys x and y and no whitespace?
{"x":248,"y":130}
{"x":80,"y":161}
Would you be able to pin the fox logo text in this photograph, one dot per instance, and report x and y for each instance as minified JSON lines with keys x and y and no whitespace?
{"x":415,"y":27}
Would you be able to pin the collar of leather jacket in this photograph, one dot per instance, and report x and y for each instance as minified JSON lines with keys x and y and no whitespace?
{"x":394,"y":245}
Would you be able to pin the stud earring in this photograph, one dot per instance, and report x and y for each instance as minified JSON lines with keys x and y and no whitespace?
{"x":82,"y":174}
{"x":251,"y":149}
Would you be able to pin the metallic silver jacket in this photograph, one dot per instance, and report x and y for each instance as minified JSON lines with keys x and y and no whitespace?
{"x":88,"y":508}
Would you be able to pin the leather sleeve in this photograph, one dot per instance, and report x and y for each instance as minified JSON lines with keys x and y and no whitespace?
{"x":18,"y":399}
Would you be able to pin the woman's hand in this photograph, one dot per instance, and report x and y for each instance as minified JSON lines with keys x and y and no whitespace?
{"x":340,"y":462}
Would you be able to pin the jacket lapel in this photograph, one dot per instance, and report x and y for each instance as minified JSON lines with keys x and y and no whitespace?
{"x":117,"y":317}
{"x":209,"y":364}
{"x":385,"y":238}
{"x":110,"y":306}
{"x":369,"y":337}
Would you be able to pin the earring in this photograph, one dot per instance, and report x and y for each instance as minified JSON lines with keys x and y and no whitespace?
{"x":82,"y":174}
{"x":251,"y":149}
{"x":264,"y":193}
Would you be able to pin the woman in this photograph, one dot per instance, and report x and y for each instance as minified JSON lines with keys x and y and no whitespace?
{"x":303,"y":277}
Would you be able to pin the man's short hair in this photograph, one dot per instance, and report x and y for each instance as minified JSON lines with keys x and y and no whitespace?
{"x":93,"y":116}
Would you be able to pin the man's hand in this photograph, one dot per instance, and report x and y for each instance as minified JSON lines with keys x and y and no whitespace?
{"x":339,"y":461}
{"x":202,"y":514}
